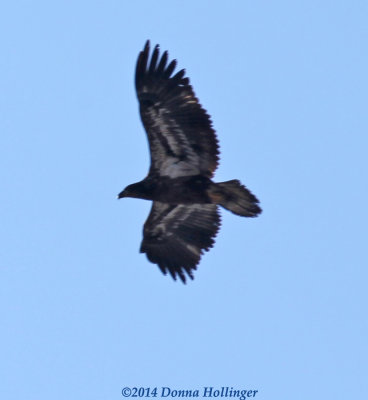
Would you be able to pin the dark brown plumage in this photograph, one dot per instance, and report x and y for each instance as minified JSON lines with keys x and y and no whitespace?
{"x":184,"y":218}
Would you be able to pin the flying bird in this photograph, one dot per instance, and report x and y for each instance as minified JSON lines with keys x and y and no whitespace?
{"x":184,"y":218}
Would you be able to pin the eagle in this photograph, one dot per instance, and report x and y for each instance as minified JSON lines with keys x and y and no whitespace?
{"x":184,"y":218}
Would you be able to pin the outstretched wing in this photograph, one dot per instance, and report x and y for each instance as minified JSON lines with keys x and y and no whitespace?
{"x":180,"y":134}
{"x":175,"y":236}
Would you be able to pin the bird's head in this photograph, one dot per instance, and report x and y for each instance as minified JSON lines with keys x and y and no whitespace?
{"x":136,"y":190}
{"x":127,"y":192}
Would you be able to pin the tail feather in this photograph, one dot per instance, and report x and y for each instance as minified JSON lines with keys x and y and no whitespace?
{"x":236,"y":198}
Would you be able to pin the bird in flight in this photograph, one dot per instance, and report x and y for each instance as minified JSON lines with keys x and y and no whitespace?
{"x":184,"y":218}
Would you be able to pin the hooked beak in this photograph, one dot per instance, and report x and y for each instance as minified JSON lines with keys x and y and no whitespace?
{"x":121,"y":195}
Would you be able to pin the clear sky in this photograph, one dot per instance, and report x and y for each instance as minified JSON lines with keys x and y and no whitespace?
{"x":279,"y":305}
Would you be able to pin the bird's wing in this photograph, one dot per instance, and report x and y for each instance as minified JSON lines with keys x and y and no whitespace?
{"x":175,"y":236}
{"x":180,"y":134}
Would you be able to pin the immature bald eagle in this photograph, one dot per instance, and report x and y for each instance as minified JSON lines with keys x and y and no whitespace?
{"x":184,"y":217}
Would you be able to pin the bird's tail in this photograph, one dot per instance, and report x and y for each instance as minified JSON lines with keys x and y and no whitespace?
{"x":235,"y":197}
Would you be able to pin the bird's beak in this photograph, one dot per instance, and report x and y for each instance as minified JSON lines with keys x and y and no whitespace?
{"x":121,"y":195}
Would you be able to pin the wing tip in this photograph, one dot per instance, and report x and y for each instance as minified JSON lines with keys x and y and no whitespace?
{"x":176,"y":271}
{"x":154,"y":64}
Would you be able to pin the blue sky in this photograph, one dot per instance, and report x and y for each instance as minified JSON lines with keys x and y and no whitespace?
{"x":279,"y":304}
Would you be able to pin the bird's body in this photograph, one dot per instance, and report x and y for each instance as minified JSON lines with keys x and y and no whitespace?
{"x":188,"y":189}
{"x":184,"y":150}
